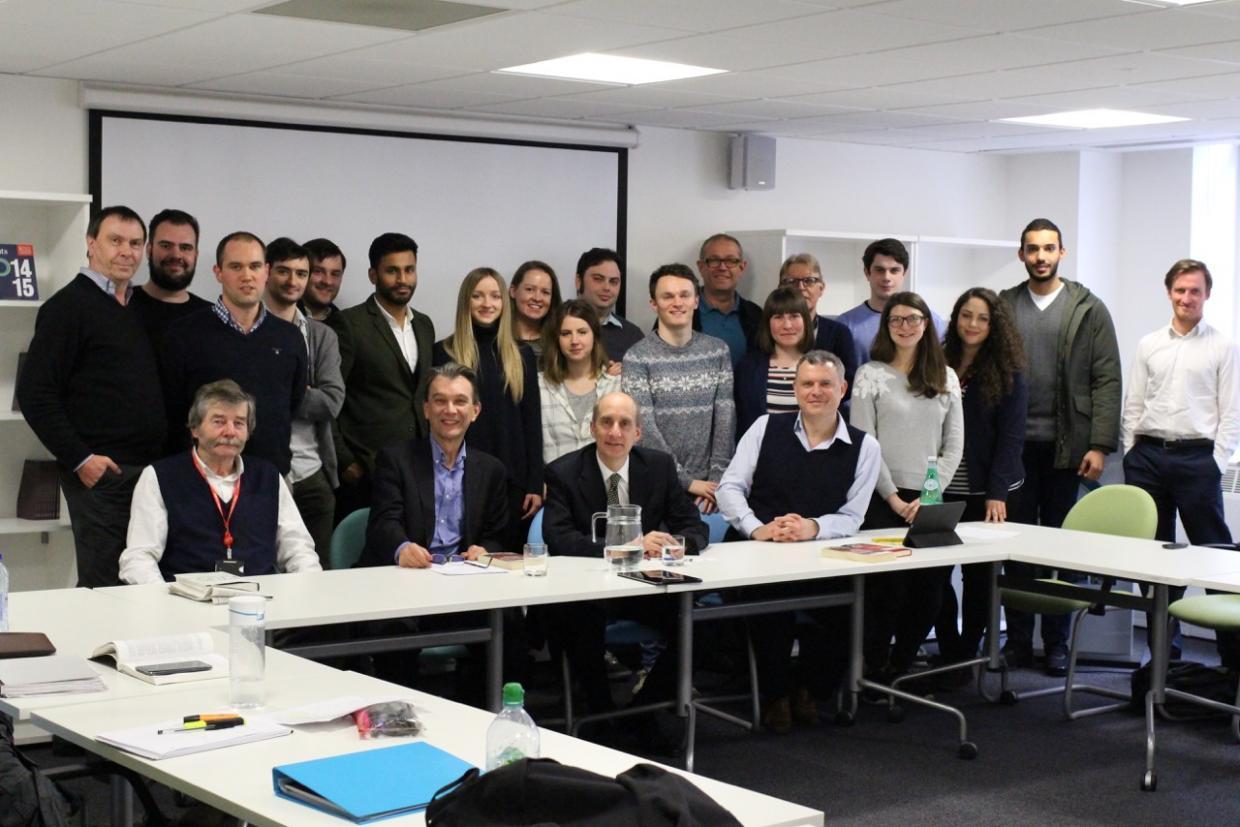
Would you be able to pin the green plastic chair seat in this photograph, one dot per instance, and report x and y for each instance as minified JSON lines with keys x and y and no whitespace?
{"x":1042,"y":603}
{"x":1210,"y":611}
{"x":349,"y":539}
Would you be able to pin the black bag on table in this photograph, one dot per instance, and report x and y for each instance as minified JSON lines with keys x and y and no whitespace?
{"x":545,"y":792}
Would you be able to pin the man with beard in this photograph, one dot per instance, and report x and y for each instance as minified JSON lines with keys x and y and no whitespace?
{"x":236,"y":338}
{"x":171,"y":256}
{"x":1074,"y":411}
{"x":189,"y":508}
{"x":385,"y":359}
{"x":313,"y":474}
{"x":327,"y":263}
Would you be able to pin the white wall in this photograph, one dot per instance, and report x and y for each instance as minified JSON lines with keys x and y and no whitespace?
{"x":43,"y":143}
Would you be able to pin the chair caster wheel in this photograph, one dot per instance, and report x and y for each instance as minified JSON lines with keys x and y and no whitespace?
{"x":1150,"y":782}
{"x":895,"y":714}
{"x":1008,"y":698}
{"x":844,"y":718}
{"x":967,"y":751}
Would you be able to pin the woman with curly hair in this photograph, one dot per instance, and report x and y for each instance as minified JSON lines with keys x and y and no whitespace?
{"x":908,"y":399}
{"x":983,"y":347}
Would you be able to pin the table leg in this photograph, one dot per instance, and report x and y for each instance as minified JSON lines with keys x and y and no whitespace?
{"x":1159,"y":653}
{"x":856,"y":632}
{"x":684,"y":678}
{"x":495,"y":660}
{"x":122,"y":802}
{"x":993,"y":662}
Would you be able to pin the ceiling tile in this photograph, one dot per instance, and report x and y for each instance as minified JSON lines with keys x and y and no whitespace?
{"x":1227,"y":8}
{"x":418,"y":95}
{"x":857,"y":71}
{"x":990,"y":52}
{"x":651,"y":96}
{"x":760,"y":83}
{"x":771,"y":109}
{"x":966,"y":130}
{"x":358,"y":66}
{"x":1004,"y":15}
{"x":1200,"y":110}
{"x":1148,"y":30}
{"x":1228,"y":51}
{"x":1209,"y":88}
{"x":855,"y":32}
{"x":116,"y":66}
{"x":724,"y":51}
{"x":987,"y":110}
{"x":218,"y":6}
{"x":683,"y":118}
{"x":512,"y":86}
{"x":281,"y":85}
{"x":882,"y":97}
{"x":570,"y":108}
{"x":690,"y":15}
{"x":1107,"y":97}
{"x":41,"y":33}
{"x":883,"y":120}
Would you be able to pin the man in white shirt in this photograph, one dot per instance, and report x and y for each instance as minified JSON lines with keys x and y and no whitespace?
{"x":205,"y":509}
{"x":1182,"y":416}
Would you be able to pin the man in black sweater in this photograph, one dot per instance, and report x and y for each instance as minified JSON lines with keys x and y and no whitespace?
{"x":90,"y":391}
{"x":236,"y":338}
{"x":171,"y":257}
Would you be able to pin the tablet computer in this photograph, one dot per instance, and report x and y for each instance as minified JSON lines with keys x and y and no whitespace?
{"x":935,"y":525}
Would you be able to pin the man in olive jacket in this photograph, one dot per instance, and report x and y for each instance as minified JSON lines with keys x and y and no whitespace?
{"x":1075,"y":401}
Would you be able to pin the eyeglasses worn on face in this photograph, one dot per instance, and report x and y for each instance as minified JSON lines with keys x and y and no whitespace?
{"x":808,"y":281}
{"x":730,"y":263}
{"x":905,"y":321}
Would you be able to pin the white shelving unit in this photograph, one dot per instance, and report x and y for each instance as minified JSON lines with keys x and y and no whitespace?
{"x":55,"y":223}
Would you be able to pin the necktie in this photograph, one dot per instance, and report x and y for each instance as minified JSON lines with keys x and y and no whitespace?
{"x":613,"y":489}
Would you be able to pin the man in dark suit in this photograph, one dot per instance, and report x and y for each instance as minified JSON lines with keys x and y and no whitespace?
{"x":385,"y":358}
{"x":434,"y":498}
{"x":614,"y":471}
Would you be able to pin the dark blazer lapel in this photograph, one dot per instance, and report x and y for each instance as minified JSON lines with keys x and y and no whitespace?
{"x":424,"y":485}
{"x":592,"y":488}
{"x":386,"y":334}
{"x":472,"y":491}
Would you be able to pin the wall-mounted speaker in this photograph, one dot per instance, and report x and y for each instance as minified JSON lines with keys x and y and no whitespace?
{"x":753,"y":163}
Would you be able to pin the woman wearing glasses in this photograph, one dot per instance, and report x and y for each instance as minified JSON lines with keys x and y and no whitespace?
{"x":803,"y":272}
{"x":983,"y":347}
{"x":909,"y":400}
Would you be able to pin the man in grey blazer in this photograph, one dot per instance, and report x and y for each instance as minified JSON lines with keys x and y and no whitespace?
{"x":312,"y":472}
{"x":385,"y":359}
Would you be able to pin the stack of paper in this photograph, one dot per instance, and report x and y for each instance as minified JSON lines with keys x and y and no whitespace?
{"x":213,"y":586}
{"x":148,"y":742}
{"x":51,"y":675}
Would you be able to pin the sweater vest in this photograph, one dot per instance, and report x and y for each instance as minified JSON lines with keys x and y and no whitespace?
{"x":790,"y":480}
{"x":195,"y":528}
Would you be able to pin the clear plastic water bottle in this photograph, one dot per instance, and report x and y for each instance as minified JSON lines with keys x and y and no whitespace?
{"x":512,"y":735}
{"x":4,"y":596}
{"x":247,"y":629}
{"x":931,"y":490}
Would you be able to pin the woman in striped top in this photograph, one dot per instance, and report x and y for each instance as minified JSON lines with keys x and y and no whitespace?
{"x":764,"y":377}
{"x":983,"y":347}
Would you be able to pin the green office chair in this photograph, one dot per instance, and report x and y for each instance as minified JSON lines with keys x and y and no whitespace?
{"x":349,"y":539}
{"x":1119,"y":510}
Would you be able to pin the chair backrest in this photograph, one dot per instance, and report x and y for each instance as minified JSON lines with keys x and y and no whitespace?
{"x":716,"y":525}
{"x":349,"y":539}
{"x":535,"y":535}
{"x":1122,"y":510}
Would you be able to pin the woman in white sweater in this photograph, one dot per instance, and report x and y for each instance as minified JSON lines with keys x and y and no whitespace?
{"x":573,"y":377}
{"x":909,"y":400}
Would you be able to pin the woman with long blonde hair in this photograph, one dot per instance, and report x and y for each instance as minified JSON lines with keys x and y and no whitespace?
{"x":510,"y":424}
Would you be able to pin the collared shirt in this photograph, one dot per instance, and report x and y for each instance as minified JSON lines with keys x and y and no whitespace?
{"x":225,"y":315}
{"x":613,"y":320}
{"x":623,"y":490}
{"x":732,"y":495}
{"x":148,"y":526}
{"x":726,"y":326}
{"x":304,"y":443}
{"x":405,"y":340}
{"x":106,"y":284}
{"x":1185,"y":387}
{"x":449,"y":501}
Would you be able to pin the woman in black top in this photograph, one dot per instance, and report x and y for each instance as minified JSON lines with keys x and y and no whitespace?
{"x":533,"y":297}
{"x":983,"y":347}
{"x":510,"y":424}
{"x":764,"y":376}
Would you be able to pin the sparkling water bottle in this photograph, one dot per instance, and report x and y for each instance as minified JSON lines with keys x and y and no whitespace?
{"x":931,"y":490}
{"x":512,"y":735}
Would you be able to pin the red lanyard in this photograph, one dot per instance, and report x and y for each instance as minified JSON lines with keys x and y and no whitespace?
{"x":232,"y":506}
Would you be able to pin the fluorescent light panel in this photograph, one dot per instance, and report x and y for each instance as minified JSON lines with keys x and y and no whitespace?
{"x":590,"y":66}
{"x":1094,"y":119}
{"x":1170,"y":2}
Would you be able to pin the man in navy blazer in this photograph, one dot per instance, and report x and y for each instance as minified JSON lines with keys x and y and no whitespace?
{"x":577,"y":486}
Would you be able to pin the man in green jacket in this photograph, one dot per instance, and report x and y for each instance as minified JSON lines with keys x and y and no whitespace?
{"x":1073,"y":422}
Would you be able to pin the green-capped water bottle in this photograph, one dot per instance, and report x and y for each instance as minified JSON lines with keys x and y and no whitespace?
{"x":931,"y":490}
{"x":512,"y":735}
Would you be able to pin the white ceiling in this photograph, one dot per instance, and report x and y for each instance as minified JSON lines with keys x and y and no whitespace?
{"x":932,"y":74}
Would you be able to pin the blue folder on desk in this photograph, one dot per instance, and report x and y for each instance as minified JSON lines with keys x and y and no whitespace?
{"x":372,"y":784}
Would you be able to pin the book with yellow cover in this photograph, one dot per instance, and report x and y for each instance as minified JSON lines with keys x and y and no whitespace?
{"x":866,"y":552}
{"x":507,"y":560}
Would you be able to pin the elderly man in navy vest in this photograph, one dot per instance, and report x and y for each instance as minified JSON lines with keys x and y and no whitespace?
{"x":197,"y":508}
{"x":797,"y":477}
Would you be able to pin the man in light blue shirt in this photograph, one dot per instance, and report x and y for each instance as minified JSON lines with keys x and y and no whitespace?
{"x":885,"y":264}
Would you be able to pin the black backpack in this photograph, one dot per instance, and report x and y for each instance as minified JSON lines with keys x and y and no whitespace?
{"x":546,"y":792}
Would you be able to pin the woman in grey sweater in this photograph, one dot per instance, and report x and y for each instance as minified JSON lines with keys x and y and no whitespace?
{"x":909,"y":400}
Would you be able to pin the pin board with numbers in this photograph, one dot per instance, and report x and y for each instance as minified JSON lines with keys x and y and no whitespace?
{"x":17,"y":275}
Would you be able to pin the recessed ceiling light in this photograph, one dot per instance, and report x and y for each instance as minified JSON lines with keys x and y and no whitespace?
{"x":1094,"y":119}
{"x":611,"y":69}
{"x":1170,"y":2}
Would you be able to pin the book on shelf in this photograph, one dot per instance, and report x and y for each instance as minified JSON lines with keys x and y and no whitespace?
{"x":131,"y":656}
{"x":507,"y":560}
{"x":18,"y":281}
{"x":866,"y":552}
{"x":49,"y":675}
{"x":163,"y":740}
{"x":210,"y":586}
{"x":38,"y":493}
